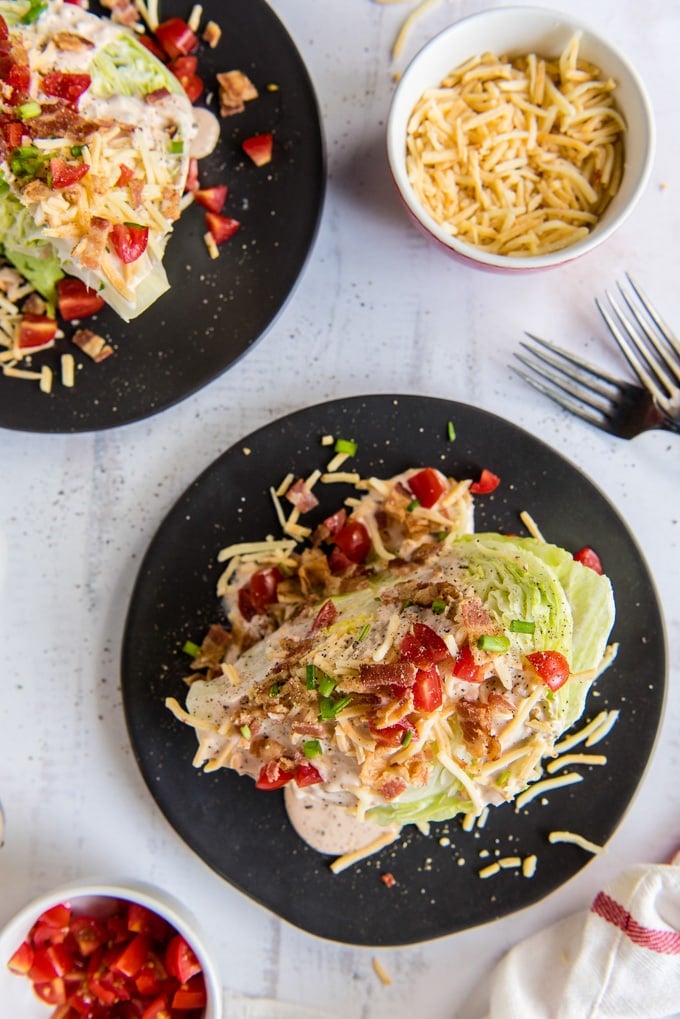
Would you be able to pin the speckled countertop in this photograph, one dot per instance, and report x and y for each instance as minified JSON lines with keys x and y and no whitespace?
{"x":376,"y":310}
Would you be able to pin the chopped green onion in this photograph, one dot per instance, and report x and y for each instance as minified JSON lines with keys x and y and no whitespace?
{"x":329,"y":709}
{"x":191,"y":649}
{"x":311,"y":748}
{"x":441,"y":535}
{"x":176,"y":148}
{"x":284,"y":570}
{"x":345,"y":446}
{"x":4,"y":186}
{"x":245,"y":731}
{"x":439,"y":606}
{"x":493,"y":642}
{"x":406,"y":738}
{"x":310,"y":676}
{"x":503,"y":778}
{"x":414,"y":503}
{"x":275,"y":690}
{"x":522,"y":625}
{"x":76,"y":150}
{"x":36,"y":7}
{"x":450,"y":431}
{"x":326,"y":686}
{"x":29,"y":110}
{"x":363,"y":633}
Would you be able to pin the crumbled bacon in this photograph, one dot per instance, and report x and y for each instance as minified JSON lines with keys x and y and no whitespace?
{"x":391,"y":785}
{"x":314,"y":572}
{"x":235,"y":90}
{"x":402,"y":674}
{"x":388,"y":879}
{"x":91,"y":248}
{"x":123,"y":12}
{"x":475,"y":617}
{"x":309,"y":729}
{"x":34,"y":305}
{"x":476,"y":721}
{"x":170,"y":203}
{"x":301,"y":496}
{"x":91,"y":344}
{"x":215,"y":643}
{"x":212,"y":33}
{"x":71,"y":42}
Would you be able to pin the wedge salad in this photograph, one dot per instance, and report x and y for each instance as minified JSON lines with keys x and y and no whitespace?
{"x":391,"y":666}
{"x":94,"y":153}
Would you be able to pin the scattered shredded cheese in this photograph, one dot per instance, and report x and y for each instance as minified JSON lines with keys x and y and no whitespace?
{"x":544,"y":786}
{"x":349,"y":859}
{"x":575,"y":839}
{"x":381,"y":972}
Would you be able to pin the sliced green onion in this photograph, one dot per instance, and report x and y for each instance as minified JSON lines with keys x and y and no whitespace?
{"x":493,"y":642}
{"x":310,"y":677}
{"x":34,"y":11}
{"x":191,"y":649}
{"x":29,"y":110}
{"x":414,"y":503}
{"x":406,"y":738}
{"x":275,"y":690}
{"x":4,"y":186}
{"x":176,"y":148}
{"x":439,"y":606}
{"x":363,"y":633}
{"x":245,"y":731}
{"x":330,"y":709}
{"x":345,"y":446}
{"x":326,"y":686}
{"x":76,"y":150}
{"x":503,"y":778}
{"x":450,"y":431}
{"x":311,"y":748}
{"x":522,"y":625}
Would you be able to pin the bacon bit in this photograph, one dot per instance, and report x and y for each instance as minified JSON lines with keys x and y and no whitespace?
{"x":325,"y":616}
{"x":91,"y":248}
{"x":170,"y":203}
{"x":235,"y":90}
{"x":301,"y":497}
{"x":136,"y":188}
{"x":401,"y":674}
{"x":475,"y":617}
{"x":215,"y":643}
{"x":91,"y":344}
{"x":123,"y":12}
{"x":391,"y":786}
{"x":388,"y":880}
{"x":71,"y":42}
{"x":212,"y":33}
{"x":157,"y":96}
{"x":34,"y":305}
{"x":309,"y":729}
{"x":36,"y":191}
{"x":475,"y":723}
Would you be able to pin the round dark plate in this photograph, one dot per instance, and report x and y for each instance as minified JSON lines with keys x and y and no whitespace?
{"x":216,"y":309}
{"x":244,"y":834}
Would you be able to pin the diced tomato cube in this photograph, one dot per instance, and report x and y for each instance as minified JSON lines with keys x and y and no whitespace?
{"x":132,"y":957}
{"x":212,"y":198}
{"x":422,"y":646}
{"x":65,"y":175}
{"x":551,"y":666}
{"x":181,"y":960}
{"x":272,"y":777}
{"x":306,"y":774}
{"x":589,"y":557}
{"x":76,"y":300}
{"x":53,"y":992}
{"x":65,"y":85}
{"x":221,"y":227}
{"x":129,"y":241}
{"x":466,"y":668}
{"x":427,"y":690}
{"x":259,"y":148}
{"x":190,"y":996}
{"x":428,"y":486}
{"x":353,"y":539}
{"x":176,"y":38}
{"x":488,"y":482}
{"x":21,"y":961}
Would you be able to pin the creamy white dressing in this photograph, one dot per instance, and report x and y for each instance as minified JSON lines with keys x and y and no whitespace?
{"x":328,"y":824}
{"x":207,"y":133}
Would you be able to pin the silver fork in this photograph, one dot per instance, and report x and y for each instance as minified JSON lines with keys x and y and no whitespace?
{"x":648,"y":344}
{"x":618,"y":407}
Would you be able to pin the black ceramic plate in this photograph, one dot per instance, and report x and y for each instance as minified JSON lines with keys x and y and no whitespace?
{"x":244,"y":834}
{"x":216,"y":309}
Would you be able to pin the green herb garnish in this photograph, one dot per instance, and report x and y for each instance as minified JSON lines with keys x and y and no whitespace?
{"x":191,"y":649}
{"x":522,"y":625}
{"x":493,"y":642}
{"x":311,"y":748}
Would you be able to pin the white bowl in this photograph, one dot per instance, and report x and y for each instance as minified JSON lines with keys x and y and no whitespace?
{"x":17,"y":998}
{"x":514,"y":31}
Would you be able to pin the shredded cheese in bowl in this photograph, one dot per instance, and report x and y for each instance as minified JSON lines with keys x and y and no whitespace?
{"x":518,"y":156}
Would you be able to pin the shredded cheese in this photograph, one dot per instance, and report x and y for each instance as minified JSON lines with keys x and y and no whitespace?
{"x":575,"y":839}
{"x":544,"y":786}
{"x":349,"y":859}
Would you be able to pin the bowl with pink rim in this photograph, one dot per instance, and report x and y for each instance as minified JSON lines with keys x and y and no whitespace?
{"x":510,"y":33}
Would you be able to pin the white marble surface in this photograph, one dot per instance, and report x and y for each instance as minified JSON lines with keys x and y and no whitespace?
{"x":376,"y":310}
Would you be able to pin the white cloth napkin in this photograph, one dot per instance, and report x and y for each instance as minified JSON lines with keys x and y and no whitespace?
{"x":620,"y":960}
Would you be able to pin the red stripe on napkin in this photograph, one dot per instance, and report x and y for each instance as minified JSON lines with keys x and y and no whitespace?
{"x":663,"y":942}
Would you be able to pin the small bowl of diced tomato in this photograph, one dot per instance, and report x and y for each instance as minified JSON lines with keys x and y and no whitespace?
{"x":99,"y":951}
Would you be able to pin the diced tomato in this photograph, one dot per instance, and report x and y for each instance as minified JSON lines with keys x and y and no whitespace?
{"x":353,"y":539}
{"x":245,"y":604}
{"x":129,"y":241}
{"x":589,"y":557}
{"x":192,"y":175}
{"x":212,"y":198}
{"x":18,"y":78}
{"x":466,"y":668}
{"x":428,"y":486}
{"x":13,"y":132}
{"x":181,"y":960}
{"x":89,"y":934}
{"x":117,"y":930}
{"x":22,"y":960}
{"x":65,"y":175}
{"x":423,"y":647}
{"x":272,"y":776}
{"x":125,"y":175}
{"x":150,"y":43}
{"x":193,"y":995}
{"x":192,"y":85}
{"x":551,"y":666}
{"x":158,"y":1009}
{"x":427,"y":690}
{"x":306,"y":774}
{"x":263,"y":586}
{"x":151,"y":977}
{"x":56,"y":916}
{"x":142,"y":920}
{"x":133,"y":956}
{"x":65,"y":85}
{"x":183,"y":66}
{"x":338,"y":561}
{"x":42,"y":968}
{"x":392,"y":735}
{"x":4,"y":30}
{"x":259,"y":148}
{"x":176,"y":38}
{"x":53,"y":992}
{"x":488,"y":482}
{"x":36,"y":332}
{"x":76,"y":300}
{"x":325,"y":616}
{"x":221,"y":227}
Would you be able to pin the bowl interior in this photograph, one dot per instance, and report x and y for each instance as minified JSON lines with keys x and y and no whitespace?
{"x":514,"y":31}
{"x":16,"y":992}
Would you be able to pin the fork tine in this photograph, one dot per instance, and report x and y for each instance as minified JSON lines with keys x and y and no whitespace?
{"x":582,"y":366}
{"x":574,"y":408}
{"x":632,"y":354}
{"x":670,"y":357}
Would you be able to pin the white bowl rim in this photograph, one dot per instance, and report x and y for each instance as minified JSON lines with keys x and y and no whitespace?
{"x":132,"y":890}
{"x":395,"y":146}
